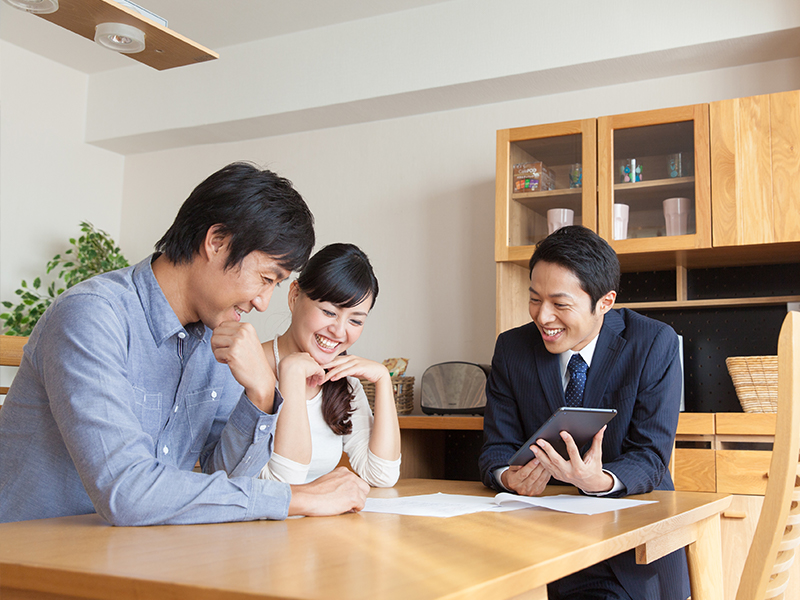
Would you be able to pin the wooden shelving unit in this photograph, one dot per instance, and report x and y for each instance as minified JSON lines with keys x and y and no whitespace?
{"x":749,"y":226}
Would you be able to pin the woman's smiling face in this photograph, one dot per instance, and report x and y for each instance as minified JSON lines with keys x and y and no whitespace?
{"x":322,"y":329}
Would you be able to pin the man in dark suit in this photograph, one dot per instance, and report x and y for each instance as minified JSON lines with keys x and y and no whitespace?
{"x":580,"y":351}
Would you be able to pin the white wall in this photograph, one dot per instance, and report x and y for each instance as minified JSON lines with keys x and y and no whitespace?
{"x":443,"y":56}
{"x":417,"y":194}
{"x":50,"y":179}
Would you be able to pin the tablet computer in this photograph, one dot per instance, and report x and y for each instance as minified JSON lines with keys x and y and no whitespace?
{"x":581,"y":423}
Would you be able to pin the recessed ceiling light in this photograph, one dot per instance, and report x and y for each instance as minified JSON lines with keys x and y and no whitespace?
{"x":120,"y":37}
{"x":39,"y":7}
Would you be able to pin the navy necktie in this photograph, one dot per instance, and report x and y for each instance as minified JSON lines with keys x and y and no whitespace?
{"x":577,"y":368}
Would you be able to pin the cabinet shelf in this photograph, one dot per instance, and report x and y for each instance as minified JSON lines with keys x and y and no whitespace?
{"x":541,"y":202}
{"x":526,"y":196}
{"x":659,"y":183}
{"x":708,"y":303}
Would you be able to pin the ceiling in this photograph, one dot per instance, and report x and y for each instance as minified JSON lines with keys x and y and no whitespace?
{"x":200,"y":20}
{"x":314,"y":64}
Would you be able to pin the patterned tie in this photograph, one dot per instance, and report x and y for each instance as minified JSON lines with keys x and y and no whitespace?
{"x":577,"y":380}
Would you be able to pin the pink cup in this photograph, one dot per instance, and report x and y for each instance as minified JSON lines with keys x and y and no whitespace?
{"x":676,"y":215}
{"x":558,"y":218}
{"x":621,"y":221}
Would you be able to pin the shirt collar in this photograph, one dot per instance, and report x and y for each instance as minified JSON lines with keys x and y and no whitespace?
{"x":587,"y":352}
{"x":161,"y":319}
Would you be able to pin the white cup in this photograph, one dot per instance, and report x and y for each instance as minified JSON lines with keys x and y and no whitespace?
{"x":621,"y":221}
{"x":676,"y":214}
{"x":558,"y":218}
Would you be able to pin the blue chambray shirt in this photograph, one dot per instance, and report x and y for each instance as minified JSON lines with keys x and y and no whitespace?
{"x":113,"y":405}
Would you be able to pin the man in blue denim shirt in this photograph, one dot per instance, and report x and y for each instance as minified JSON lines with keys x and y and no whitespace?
{"x":133,"y":376}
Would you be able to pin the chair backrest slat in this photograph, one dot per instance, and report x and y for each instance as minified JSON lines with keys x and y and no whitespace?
{"x":765,"y":573}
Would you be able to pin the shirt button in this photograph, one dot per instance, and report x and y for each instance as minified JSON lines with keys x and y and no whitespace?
{"x":181,"y":334}
{"x":166,"y":450}
{"x":213,"y":394}
{"x":263,"y":427}
{"x":176,"y":408}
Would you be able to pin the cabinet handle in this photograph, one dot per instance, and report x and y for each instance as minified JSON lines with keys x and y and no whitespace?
{"x":734,"y":514}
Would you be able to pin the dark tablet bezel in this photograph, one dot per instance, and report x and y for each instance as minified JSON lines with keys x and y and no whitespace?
{"x":581,"y":423}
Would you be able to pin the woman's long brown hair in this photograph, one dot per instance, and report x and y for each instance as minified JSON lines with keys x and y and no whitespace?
{"x":342,"y":275}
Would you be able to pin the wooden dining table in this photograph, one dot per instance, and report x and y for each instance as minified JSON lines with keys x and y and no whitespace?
{"x":366,"y":555}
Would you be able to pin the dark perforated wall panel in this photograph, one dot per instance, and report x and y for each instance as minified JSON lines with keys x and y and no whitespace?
{"x":462,"y":449}
{"x":710,"y":335}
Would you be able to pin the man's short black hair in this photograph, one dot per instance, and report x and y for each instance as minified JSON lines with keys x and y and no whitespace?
{"x":259,"y":210}
{"x":584,"y":253}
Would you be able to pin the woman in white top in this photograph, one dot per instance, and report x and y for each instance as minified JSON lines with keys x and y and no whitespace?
{"x":325,"y":409}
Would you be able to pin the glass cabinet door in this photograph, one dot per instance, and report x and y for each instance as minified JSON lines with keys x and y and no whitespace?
{"x":654,"y":180}
{"x":546,"y":177}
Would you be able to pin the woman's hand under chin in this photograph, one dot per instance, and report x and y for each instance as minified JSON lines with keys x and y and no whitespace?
{"x":301,"y":365}
{"x":348,"y":365}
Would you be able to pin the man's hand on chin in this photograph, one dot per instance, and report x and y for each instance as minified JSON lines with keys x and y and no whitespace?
{"x":236,"y":344}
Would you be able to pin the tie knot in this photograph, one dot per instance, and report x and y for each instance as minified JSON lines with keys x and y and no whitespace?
{"x":577,"y":365}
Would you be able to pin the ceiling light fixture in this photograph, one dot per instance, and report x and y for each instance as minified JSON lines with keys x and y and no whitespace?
{"x":39,"y":7}
{"x":131,"y":25}
{"x":120,"y":37}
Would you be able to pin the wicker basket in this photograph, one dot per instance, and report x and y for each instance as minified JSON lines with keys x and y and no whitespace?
{"x":403,"y":393}
{"x":756,"y":381}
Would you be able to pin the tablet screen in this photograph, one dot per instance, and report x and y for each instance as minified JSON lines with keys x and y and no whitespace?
{"x":581,"y":423}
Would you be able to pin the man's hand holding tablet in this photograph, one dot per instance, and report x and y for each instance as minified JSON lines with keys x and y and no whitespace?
{"x":581,"y":423}
{"x":557,"y":453}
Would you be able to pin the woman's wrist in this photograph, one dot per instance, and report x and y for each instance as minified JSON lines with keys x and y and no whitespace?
{"x":384,"y":384}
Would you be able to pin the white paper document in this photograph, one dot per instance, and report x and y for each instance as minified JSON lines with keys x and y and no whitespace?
{"x":452,"y":505}
{"x":434,"y":505}
{"x":579,"y":505}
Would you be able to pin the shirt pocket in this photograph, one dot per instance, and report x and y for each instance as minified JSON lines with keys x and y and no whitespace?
{"x":201,"y":408}
{"x":147,"y":407}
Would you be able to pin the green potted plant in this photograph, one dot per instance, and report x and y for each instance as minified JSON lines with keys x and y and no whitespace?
{"x":92,"y":253}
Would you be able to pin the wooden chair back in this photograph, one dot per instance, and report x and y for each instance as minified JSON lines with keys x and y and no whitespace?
{"x":766,"y":571}
{"x":10,"y":353}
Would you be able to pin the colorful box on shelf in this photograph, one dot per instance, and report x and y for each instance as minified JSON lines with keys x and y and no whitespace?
{"x":532,"y":177}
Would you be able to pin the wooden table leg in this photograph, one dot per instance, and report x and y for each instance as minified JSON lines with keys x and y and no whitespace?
{"x":705,"y":561}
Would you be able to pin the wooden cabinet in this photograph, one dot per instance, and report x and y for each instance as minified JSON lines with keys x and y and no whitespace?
{"x":727,"y":453}
{"x":541,"y":168}
{"x":645,"y":159}
{"x":739,"y":172}
{"x":521,"y":213}
{"x":601,"y":148}
{"x":755,"y":169}
{"x":424,"y":441}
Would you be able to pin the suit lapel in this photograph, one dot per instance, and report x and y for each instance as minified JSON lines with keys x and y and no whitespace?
{"x":549,"y":369}
{"x":609,"y":346}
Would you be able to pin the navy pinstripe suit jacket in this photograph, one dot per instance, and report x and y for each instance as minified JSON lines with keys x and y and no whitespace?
{"x":636,"y":370}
